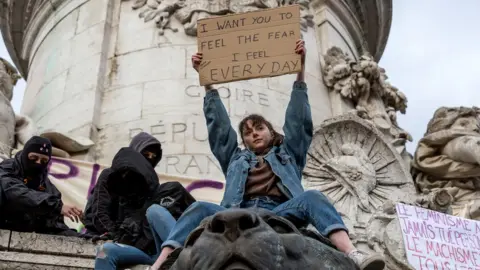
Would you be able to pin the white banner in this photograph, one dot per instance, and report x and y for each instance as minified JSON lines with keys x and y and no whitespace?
{"x":74,"y":179}
{"x":436,"y":241}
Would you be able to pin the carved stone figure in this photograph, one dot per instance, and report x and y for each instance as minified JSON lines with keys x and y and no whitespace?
{"x":384,"y":236}
{"x":8,"y":78}
{"x":365,"y":84}
{"x":244,"y":239}
{"x":15,"y":130}
{"x":448,"y":158}
{"x":189,"y":11}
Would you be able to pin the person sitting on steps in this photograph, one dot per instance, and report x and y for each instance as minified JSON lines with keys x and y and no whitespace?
{"x":102,"y":207}
{"x":29,"y":202}
{"x":267,"y":173}
{"x":146,"y":211}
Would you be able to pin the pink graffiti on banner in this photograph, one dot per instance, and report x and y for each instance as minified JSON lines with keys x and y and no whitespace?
{"x":437,"y":241}
{"x":71,"y":171}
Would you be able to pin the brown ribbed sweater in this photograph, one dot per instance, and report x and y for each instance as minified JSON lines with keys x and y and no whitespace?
{"x":261,"y":181}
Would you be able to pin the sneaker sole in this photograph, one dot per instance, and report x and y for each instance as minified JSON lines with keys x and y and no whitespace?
{"x":374,"y":264}
{"x":171,"y":259}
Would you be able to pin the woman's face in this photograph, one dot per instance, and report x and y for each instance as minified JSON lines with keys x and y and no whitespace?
{"x":466,"y":123}
{"x":257,"y":137}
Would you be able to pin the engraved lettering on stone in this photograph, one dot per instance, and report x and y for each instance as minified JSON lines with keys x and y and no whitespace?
{"x":199,"y":164}
{"x":178,"y":128}
{"x":199,"y":91}
{"x":158,"y":131}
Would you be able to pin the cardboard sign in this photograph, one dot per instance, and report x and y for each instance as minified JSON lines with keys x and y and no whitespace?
{"x":249,"y":45}
{"x":434,"y":240}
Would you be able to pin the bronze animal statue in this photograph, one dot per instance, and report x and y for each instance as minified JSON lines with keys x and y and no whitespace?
{"x":256,"y":239}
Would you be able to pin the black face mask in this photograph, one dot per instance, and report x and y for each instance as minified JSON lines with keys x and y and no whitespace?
{"x":31,"y":168}
{"x":38,"y":145}
{"x":127,"y":184}
{"x":152,"y":161}
{"x":153,"y":149}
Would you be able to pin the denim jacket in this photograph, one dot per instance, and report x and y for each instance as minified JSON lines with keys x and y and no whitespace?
{"x":287,"y":160}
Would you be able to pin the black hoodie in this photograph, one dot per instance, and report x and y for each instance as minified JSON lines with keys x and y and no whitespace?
{"x":144,"y":141}
{"x":136,"y":192}
{"x":24,"y":208}
{"x":102,"y":208}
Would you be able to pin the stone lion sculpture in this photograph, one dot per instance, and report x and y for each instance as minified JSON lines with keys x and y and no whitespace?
{"x":248,"y":239}
{"x":448,"y":158}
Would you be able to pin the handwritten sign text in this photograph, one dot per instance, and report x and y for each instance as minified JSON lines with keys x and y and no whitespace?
{"x":249,"y":45}
{"x":434,"y":240}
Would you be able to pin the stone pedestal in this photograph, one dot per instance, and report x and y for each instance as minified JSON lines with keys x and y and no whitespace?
{"x":107,"y":70}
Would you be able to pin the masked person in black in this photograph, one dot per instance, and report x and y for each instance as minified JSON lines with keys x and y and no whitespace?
{"x":102,"y":207}
{"x":29,"y":202}
{"x":138,"y":233}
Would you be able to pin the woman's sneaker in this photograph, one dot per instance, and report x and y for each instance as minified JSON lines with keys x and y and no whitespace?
{"x":365,"y":261}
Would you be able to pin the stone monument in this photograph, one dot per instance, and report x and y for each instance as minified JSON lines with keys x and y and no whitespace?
{"x":448,"y":158}
{"x":105,"y":70}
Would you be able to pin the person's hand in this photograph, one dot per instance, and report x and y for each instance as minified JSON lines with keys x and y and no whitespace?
{"x":104,"y":237}
{"x":72,"y":212}
{"x":300,"y":49}
{"x":197,"y":60}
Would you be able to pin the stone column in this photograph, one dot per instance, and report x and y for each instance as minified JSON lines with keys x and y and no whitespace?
{"x":108,"y":69}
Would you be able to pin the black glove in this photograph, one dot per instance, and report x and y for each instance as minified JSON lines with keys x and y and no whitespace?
{"x":130,"y":226}
{"x":85,"y":236}
{"x":104,"y":237}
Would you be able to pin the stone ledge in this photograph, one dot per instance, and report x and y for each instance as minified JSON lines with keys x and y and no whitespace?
{"x":51,"y":244}
{"x":19,"y":250}
{"x":19,"y":260}
{"x":4,"y":239}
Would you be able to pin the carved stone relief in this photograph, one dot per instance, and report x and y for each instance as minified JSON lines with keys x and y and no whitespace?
{"x":384,"y":236}
{"x":353,"y":164}
{"x":365,"y":84}
{"x":362,"y":174}
{"x":189,"y":11}
{"x":448,"y":158}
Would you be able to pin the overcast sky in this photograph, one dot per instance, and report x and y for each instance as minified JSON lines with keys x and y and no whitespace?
{"x":432,"y":55}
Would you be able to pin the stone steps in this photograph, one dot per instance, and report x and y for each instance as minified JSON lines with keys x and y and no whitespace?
{"x":10,"y":260}
{"x":46,"y":252}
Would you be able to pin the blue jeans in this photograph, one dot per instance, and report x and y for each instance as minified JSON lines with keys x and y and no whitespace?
{"x":311,"y":207}
{"x":111,"y":255}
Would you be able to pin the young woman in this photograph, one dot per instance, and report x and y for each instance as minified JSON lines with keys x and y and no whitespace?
{"x":273,"y":177}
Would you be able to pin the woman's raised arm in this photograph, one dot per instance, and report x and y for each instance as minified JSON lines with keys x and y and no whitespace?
{"x":221,"y":136}
{"x":298,"y":127}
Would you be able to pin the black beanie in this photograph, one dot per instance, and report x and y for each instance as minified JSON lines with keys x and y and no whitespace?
{"x":38,"y":145}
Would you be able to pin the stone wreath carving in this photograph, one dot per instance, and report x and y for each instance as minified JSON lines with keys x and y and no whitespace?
{"x":353,"y":164}
{"x":189,"y":11}
{"x":365,"y":84}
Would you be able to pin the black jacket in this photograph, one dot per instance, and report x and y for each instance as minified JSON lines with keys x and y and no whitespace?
{"x":101,"y":210}
{"x":29,"y":210}
{"x":132,"y":227}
